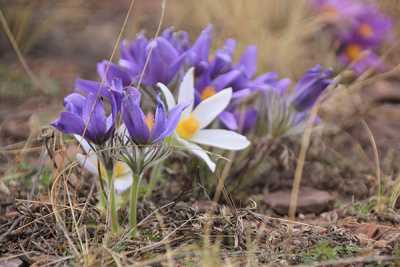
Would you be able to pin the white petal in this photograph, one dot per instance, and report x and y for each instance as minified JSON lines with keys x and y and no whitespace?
{"x":83,"y":143}
{"x":123,"y":183}
{"x":199,"y":152}
{"x":210,"y":108}
{"x":168,"y":96}
{"x":88,"y":162}
{"x":221,"y":138}
{"x":186,"y":92}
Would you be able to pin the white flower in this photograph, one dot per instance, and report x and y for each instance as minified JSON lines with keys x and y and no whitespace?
{"x":191,"y":128}
{"x":122,"y":174}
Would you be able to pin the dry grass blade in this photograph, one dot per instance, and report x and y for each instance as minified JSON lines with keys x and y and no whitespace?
{"x":355,"y":260}
{"x":379,"y":204}
{"x":305,"y":142}
{"x":21,"y":58}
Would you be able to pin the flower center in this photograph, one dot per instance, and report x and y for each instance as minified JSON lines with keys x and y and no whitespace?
{"x":353,"y":51}
{"x":119,"y":169}
{"x":365,"y":30}
{"x":208,"y":92}
{"x":330,"y":11}
{"x":187,"y":127}
{"x":149,"y":120}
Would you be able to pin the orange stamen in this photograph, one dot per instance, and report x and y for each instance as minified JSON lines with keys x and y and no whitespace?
{"x":208,"y":92}
{"x":353,"y":51}
{"x":365,"y":30}
{"x":149,"y":120}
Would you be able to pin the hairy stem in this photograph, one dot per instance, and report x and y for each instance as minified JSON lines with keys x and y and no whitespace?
{"x":113,"y":207}
{"x":134,"y":193}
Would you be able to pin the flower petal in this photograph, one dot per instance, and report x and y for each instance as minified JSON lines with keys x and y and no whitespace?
{"x":83,"y":144}
{"x":134,"y":118}
{"x":94,"y":117}
{"x":221,"y":138}
{"x":210,"y":108}
{"x":123,"y":183}
{"x":171,"y":123}
{"x":229,"y":120}
{"x":74,"y":103}
{"x":160,"y":121}
{"x":109,"y":71}
{"x":69,"y":123}
{"x":87,"y":86}
{"x":201,"y":47}
{"x":224,"y":80}
{"x":169,"y":98}
{"x":186,"y":92}
{"x":199,"y":152}
{"x":88,"y":162}
{"x":248,"y":61}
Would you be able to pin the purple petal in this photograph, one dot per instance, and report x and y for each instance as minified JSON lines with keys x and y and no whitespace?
{"x":225,"y":80}
{"x":246,"y":119}
{"x":228,"y":120}
{"x":134,"y":118}
{"x":173,"y":120}
{"x":310,"y":87}
{"x":69,"y":123}
{"x":135,"y":52}
{"x":159,"y":121}
{"x":74,"y":103}
{"x":248,"y":61}
{"x":109,"y":71}
{"x":163,"y":57}
{"x":223,"y":58}
{"x":87,"y":86}
{"x":201,"y":48}
{"x":94,"y":117}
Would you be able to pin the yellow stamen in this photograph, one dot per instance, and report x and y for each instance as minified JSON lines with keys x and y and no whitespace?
{"x":149,"y":120}
{"x":187,"y":127}
{"x":208,"y":92}
{"x":353,"y":51}
{"x":365,"y":30}
{"x":119,"y":169}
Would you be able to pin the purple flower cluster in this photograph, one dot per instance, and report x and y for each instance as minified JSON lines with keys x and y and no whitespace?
{"x":85,"y":115}
{"x":361,"y":29}
{"x":286,"y":112}
{"x":166,"y":58}
{"x":145,"y":62}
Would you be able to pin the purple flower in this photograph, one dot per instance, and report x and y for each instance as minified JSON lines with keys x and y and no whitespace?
{"x":310,"y":87}
{"x":86,"y":116}
{"x":179,"y":40}
{"x":239,"y":120}
{"x":164,"y":59}
{"x":369,"y":28}
{"x":198,"y":54}
{"x":113,"y":91}
{"x":360,"y":58}
{"x":217,"y":72}
{"x":338,"y":11}
{"x":144,"y":129}
{"x":109,"y":72}
{"x":270,"y":81}
{"x":361,"y":29}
